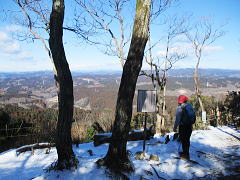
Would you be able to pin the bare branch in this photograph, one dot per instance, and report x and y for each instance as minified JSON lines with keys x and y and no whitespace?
{"x":159,"y":6}
{"x":175,"y":27}
{"x":100,"y":15}
{"x":35,"y":34}
{"x":202,"y":35}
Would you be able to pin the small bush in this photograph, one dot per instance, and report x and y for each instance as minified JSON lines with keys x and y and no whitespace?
{"x":231,"y":109}
{"x":200,"y":125}
{"x":90,"y":133}
{"x":210,"y":105}
{"x":138,"y":119}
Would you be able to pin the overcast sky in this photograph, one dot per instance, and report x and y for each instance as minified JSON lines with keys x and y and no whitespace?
{"x":224,"y":53}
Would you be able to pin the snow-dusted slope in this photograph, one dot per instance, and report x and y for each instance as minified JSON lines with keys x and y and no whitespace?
{"x":216,"y":151}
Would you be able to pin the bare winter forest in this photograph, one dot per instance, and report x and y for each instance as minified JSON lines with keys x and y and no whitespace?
{"x":88,"y":114}
{"x":29,"y":100}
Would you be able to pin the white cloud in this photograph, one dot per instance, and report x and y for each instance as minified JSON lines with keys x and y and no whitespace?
{"x":8,"y":45}
{"x":183,"y":47}
{"x":24,"y":55}
{"x":114,"y":65}
{"x":182,"y":37}
{"x":13,"y":28}
{"x":213,"y":48}
{"x":11,"y":48}
{"x":180,"y":48}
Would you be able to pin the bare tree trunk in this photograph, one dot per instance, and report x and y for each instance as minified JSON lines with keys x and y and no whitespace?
{"x":158,"y":123}
{"x":197,"y":85}
{"x":66,"y":157}
{"x":218,"y":113}
{"x":117,"y":156}
{"x":165,"y":88}
{"x":164,"y":96}
{"x":203,"y":34}
{"x":159,"y":110}
{"x":164,"y":106}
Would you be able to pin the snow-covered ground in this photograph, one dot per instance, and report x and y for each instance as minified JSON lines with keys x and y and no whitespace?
{"x":216,"y":151}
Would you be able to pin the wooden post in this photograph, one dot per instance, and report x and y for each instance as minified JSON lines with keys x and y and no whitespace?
{"x":144,"y":131}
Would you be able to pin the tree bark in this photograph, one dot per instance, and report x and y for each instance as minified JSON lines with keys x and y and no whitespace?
{"x":161,"y":104}
{"x":159,"y":110}
{"x":197,"y":84}
{"x":66,"y":157}
{"x":117,"y":156}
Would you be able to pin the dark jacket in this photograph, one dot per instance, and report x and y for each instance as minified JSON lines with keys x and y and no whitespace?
{"x":178,"y":116}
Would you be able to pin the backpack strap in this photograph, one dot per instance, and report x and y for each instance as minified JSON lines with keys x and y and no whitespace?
{"x":184,"y":118}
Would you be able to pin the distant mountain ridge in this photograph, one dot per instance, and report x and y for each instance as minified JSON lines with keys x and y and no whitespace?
{"x":204,"y":72}
{"x":172,"y":72}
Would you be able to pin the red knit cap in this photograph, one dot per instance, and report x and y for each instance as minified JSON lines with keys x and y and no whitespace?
{"x":182,"y":99}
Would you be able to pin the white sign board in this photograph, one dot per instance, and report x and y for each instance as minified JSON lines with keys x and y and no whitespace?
{"x":204,"y":116}
{"x":147,"y":101}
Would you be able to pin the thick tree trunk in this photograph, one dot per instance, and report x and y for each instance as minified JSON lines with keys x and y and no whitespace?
{"x":66,"y":157}
{"x":117,"y":156}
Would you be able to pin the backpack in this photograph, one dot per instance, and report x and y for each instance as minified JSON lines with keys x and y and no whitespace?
{"x":188,"y":115}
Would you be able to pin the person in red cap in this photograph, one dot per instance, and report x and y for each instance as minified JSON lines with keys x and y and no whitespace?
{"x":185,"y":129}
